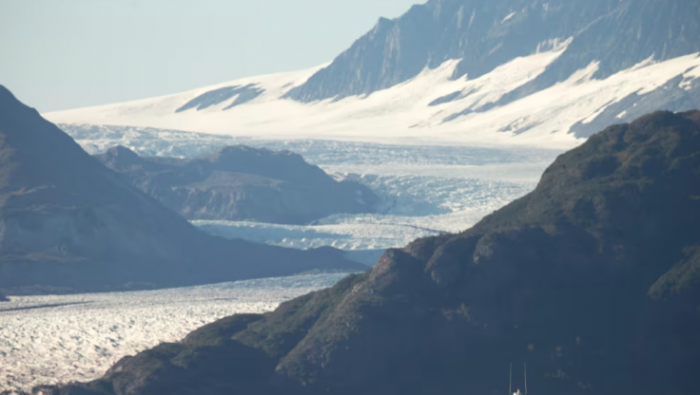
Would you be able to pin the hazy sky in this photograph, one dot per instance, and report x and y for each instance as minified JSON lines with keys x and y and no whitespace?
{"x":73,"y":53}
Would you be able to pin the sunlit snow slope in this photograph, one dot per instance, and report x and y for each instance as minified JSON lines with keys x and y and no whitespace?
{"x":431,"y":107}
{"x":539,"y":72}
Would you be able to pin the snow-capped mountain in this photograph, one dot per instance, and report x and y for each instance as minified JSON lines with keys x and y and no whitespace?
{"x":537,"y":72}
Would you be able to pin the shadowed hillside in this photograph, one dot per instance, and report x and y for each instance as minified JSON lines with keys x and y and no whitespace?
{"x":239,"y":183}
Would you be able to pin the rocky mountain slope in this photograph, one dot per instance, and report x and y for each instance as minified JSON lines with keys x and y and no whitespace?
{"x":69,"y":223}
{"x":592,"y":280}
{"x":482,"y":36}
{"x":239,"y":183}
{"x":536,"y":72}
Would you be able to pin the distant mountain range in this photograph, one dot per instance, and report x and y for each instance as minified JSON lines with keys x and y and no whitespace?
{"x":68,"y":223}
{"x":543,"y":72}
{"x":592,"y":280}
{"x":239,"y":183}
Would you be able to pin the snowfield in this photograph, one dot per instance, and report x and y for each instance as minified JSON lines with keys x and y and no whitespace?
{"x":431,"y":108}
{"x":53,"y":339}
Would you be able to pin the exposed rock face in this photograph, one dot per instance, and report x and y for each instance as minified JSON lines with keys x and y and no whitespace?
{"x":69,"y":223}
{"x":592,"y":280}
{"x":241,"y":183}
{"x":484,"y":35}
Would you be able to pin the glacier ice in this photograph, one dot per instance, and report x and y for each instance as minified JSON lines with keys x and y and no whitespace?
{"x":60,"y":338}
{"x":426,"y":189}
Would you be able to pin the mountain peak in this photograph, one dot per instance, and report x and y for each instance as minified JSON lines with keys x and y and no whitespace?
{"x":11,"y":105}
{"x":6,"y":96}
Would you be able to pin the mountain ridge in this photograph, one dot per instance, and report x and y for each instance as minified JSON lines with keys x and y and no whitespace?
{"x":240,"y":183}
{"x":500,"y":31}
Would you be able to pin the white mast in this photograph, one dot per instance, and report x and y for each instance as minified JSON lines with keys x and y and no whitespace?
{"x":510,"y":382}
{"x":525,"y":371}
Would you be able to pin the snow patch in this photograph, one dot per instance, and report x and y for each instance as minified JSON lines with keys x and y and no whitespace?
{"x":689,"y":77}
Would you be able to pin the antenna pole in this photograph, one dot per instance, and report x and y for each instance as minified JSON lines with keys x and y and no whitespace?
{"x":510,"y":381}
{"x":525,"y":371}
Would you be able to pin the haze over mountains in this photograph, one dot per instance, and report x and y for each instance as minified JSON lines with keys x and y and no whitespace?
{"x":68,"y":223}
{"x":539,"y":72}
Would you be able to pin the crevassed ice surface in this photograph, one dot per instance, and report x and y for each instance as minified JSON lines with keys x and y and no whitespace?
{"x":415,"y":206}
{"x":53,"y":339}
{"x":425,"y":189}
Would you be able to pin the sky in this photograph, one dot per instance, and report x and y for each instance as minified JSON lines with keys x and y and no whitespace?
{"x":57,"y":55}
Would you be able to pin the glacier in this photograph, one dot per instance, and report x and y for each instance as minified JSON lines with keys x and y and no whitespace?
{"x":425,"y":189}
{"x":62,"y":338}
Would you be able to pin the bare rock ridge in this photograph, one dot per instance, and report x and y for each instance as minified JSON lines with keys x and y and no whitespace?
{"x":241,"y":183}
{"x":67,"y":223}
{"x":617,"y":34}
{"x":592,"y":280}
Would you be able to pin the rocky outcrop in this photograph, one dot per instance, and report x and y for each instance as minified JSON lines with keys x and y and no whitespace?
{"x":241,"y":183}
{"x":614,"y":34}
{"x":68,"y":223}
{"x":592,"y":280}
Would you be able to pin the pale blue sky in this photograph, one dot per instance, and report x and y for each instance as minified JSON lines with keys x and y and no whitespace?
{"x":65,"y":54}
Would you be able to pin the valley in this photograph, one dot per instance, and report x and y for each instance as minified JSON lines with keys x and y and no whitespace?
{"x":470,"y":185}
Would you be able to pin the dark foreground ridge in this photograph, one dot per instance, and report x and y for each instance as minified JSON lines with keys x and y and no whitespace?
{"x":67,"y":223}
{"x":240,"y":183}
{"x":592,"y":280}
